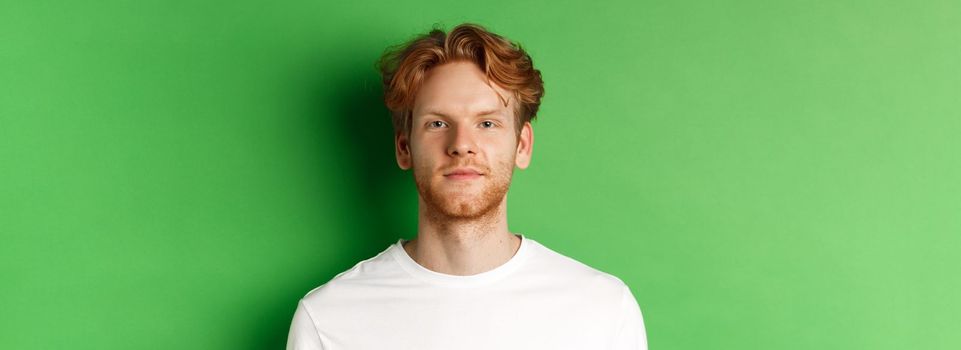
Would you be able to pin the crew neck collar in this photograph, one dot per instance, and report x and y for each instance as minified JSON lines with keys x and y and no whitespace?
{"x":434,"y":277}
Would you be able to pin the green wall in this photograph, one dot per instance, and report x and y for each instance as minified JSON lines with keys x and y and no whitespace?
{"x":764,"y":175}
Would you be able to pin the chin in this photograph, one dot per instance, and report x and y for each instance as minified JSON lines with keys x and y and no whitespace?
{"x":463,"y":211}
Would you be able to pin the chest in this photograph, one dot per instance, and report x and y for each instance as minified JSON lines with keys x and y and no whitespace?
{"x":535,"y":319}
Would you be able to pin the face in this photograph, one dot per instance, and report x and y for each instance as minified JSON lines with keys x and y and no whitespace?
{"x":463,"y":143}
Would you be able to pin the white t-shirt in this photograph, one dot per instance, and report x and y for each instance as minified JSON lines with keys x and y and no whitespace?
{"x":539,"y":299}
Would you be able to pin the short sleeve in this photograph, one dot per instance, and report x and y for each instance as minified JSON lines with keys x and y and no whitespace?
{"x":303,"y":333}
{"x":631,"y":334}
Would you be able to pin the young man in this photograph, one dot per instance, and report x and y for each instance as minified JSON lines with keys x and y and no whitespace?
{"x":462,"y":103}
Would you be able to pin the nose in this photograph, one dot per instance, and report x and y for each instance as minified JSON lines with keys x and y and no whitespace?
{"x":461,"y":142}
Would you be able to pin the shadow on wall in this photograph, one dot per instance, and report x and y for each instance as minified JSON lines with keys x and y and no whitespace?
{"x":372,"y":206}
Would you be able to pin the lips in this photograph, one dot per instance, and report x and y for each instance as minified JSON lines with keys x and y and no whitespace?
{"x":463,"y":172}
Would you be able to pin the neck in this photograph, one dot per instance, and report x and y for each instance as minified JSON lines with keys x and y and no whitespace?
{"x":462,"y":247}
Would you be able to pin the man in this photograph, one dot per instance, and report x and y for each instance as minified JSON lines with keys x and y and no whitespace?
{"x":462,"y":103}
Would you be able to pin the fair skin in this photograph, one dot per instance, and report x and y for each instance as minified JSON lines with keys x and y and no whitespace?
{"x":460,"y":122}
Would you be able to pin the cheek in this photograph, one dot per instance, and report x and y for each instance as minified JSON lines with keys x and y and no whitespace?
{"x":421,"y":159}
{"x":503,"y":161}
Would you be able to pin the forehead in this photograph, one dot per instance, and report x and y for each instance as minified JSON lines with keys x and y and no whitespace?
{"x":460,"y":88}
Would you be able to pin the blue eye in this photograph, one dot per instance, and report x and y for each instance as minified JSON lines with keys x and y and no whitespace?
{"x":436,"y":123}
{"x":488,"y":124}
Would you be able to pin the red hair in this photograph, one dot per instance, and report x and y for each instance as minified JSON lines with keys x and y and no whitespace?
{"x":404,"y":67}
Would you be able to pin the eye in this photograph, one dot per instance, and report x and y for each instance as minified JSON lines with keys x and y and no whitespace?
{"x":488,"y":124}
{"x":436,"y":123}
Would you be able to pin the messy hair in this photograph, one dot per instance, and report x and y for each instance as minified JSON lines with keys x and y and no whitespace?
{"x":404,"y":67}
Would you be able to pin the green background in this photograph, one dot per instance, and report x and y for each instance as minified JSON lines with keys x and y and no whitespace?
{"x":763,"y":175}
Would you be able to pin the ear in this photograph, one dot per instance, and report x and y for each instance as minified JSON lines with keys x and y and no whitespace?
{"x":525,"y":146}
{"x":402,"y":148}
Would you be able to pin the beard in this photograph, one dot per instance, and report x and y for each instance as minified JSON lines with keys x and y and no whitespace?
{"x":480,"y":198}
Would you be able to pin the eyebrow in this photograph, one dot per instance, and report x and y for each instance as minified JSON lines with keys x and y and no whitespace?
{"x":481,"y":113}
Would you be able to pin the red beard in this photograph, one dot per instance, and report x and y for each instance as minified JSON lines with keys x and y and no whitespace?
{"x":452,"y":201}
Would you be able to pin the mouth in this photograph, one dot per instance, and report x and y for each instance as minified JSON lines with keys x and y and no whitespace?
{"x":463,"y":174}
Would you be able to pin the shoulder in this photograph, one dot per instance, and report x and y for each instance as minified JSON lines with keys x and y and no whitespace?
{"x":569,"y":270}
{"x":379,"y":269}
